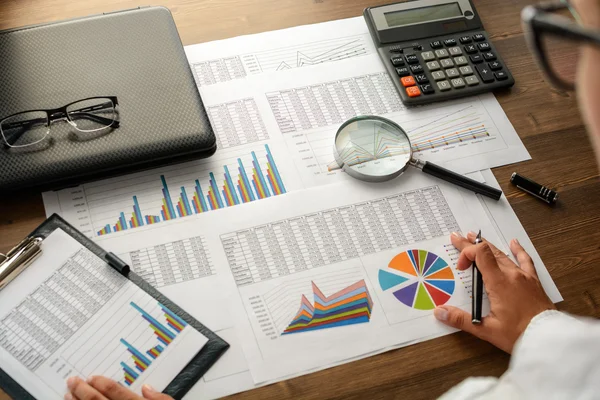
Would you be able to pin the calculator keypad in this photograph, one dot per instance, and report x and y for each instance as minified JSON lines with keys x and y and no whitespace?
{"x":451,"y":63}
{"x":462,"y":60}
{"x":438,"y":75}
{"x":442,"y":53}
{"x":470,"y":49}
{"x":416,"y":69}
{"x":472,"y":80}
{"x":452,"y":73}
{"x":455,"y":51}
{"x":397,"y":61}
{"x":427,"y":56}
{"x":411,"y":58}
{"x":433,"y":65}
{"x":450,"y":42}
{"x":446,"y":63}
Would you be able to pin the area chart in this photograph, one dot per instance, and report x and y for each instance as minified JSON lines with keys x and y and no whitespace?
{"x":419,"y":279}
{"x":352,"y":305}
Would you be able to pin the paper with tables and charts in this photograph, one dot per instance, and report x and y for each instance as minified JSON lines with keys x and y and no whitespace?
{"x":275,"y":101}
{"x":71,"y":314}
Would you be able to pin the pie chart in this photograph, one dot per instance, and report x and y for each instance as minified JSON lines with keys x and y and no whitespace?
{"x":419,"y":279}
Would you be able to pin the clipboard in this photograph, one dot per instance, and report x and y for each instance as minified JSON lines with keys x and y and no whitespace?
{"x":25,"y":253}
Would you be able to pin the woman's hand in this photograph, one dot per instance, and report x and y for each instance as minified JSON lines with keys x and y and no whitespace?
{"x":515,"y":294}
{"x":101,"y":388}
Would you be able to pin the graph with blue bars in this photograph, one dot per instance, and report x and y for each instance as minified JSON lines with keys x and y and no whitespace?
{"x":164,"y":332}
{"x":242,"y":183}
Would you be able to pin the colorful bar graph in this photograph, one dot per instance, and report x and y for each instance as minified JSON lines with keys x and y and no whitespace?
{"x":162,"y":332}
{"x":199,"y":203}
{"x":104,"y":230}
{"x":130,"y":374}
{"x":243,"y":184}
{"x":173,"y":320}
{"x":155,"y":351}
{"x":165,"y":334}
{"x":168,"y":212}
{"x":274,"y":177}
{"x":264,"y":181}
{"x":183,"y":205}
{"x":259,"y":180}
{"x":229,"y":189}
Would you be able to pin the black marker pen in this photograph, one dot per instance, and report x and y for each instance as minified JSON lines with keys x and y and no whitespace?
{"x":535,"y":189}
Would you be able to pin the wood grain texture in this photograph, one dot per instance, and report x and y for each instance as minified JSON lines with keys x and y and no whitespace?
{"x":566,"y":236}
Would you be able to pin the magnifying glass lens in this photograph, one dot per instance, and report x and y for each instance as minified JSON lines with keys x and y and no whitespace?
{"x":372,"y":149}
{"x":375,"y":149}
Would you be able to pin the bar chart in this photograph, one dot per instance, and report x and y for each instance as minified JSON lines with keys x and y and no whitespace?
{"x":250,"y":178}
{"x":164,"y":334}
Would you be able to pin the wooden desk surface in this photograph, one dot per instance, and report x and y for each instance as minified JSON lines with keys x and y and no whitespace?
{"x":548,"y":122}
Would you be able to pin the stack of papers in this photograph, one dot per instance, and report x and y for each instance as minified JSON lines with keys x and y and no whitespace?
{"x":296,"y":265}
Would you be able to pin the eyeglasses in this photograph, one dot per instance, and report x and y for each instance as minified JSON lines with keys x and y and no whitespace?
{"x":87,"y":116}
{"x":555,"y":35}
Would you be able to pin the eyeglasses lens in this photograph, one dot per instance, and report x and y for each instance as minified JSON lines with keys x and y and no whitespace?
{"x":92,"y":115}
{"x":24,"y":129}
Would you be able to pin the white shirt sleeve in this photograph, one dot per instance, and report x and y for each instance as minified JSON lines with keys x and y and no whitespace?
{"x":557,"y":357}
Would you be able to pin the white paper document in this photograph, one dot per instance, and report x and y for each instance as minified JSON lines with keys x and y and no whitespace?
{"x":71,"y":314}
{"x":270,"y":244}
{"x":356,"y":272}
{"x":275,"y":51}
{"x":275,"y":132}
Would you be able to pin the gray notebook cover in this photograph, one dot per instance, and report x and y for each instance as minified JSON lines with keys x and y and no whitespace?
{"x":135,"y":55}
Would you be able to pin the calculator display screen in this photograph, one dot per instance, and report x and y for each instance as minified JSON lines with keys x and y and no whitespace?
{"x":423,"y":14}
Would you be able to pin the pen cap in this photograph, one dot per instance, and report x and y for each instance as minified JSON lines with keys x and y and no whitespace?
{"x":541,"y":192}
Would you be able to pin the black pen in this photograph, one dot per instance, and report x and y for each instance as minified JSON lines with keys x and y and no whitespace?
{"x":477,"y":296}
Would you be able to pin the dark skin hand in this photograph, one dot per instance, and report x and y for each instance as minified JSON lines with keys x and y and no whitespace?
{"x":514,"y":291}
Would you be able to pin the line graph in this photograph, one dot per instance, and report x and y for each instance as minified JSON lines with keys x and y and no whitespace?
{"x":305,"y":54}
{"x":442,"y":133}
{"x":314,"y":53}
{"x":370,"y":141}
{"x":365,"y":141}
{"x":455,"y":127}
{"x":210,"y":72}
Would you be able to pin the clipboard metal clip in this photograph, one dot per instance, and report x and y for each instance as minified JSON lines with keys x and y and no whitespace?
{"x":18,"y":259}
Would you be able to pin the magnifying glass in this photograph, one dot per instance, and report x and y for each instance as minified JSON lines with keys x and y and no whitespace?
{"x":375,"y":149}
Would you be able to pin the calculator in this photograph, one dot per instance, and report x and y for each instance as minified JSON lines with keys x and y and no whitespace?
{"x":436,"y":50}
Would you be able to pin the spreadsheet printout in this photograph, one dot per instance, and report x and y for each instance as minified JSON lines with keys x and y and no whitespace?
{"x":71,"y":314}
{"x":275,"y":130}
{"x":274,"y":100}
{"x":352,"y":274}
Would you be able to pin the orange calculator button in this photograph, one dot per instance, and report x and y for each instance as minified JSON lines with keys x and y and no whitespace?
{"x":408,"y":81}
{"x":413,"y":91}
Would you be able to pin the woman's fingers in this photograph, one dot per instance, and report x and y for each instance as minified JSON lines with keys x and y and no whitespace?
{"x":80,"y":390}
{"x":483,"y":254}
{"x":460,"y":319}
{"x":151,"y":394}
{"x":111,"y":389}
{"x":524,"y":260}
{"x":459,"y":241}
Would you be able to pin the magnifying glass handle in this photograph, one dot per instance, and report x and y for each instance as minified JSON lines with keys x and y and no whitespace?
{"x":459,"y":180}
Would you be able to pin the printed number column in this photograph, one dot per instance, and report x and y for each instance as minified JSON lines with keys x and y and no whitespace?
{"x":234,"y":250}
